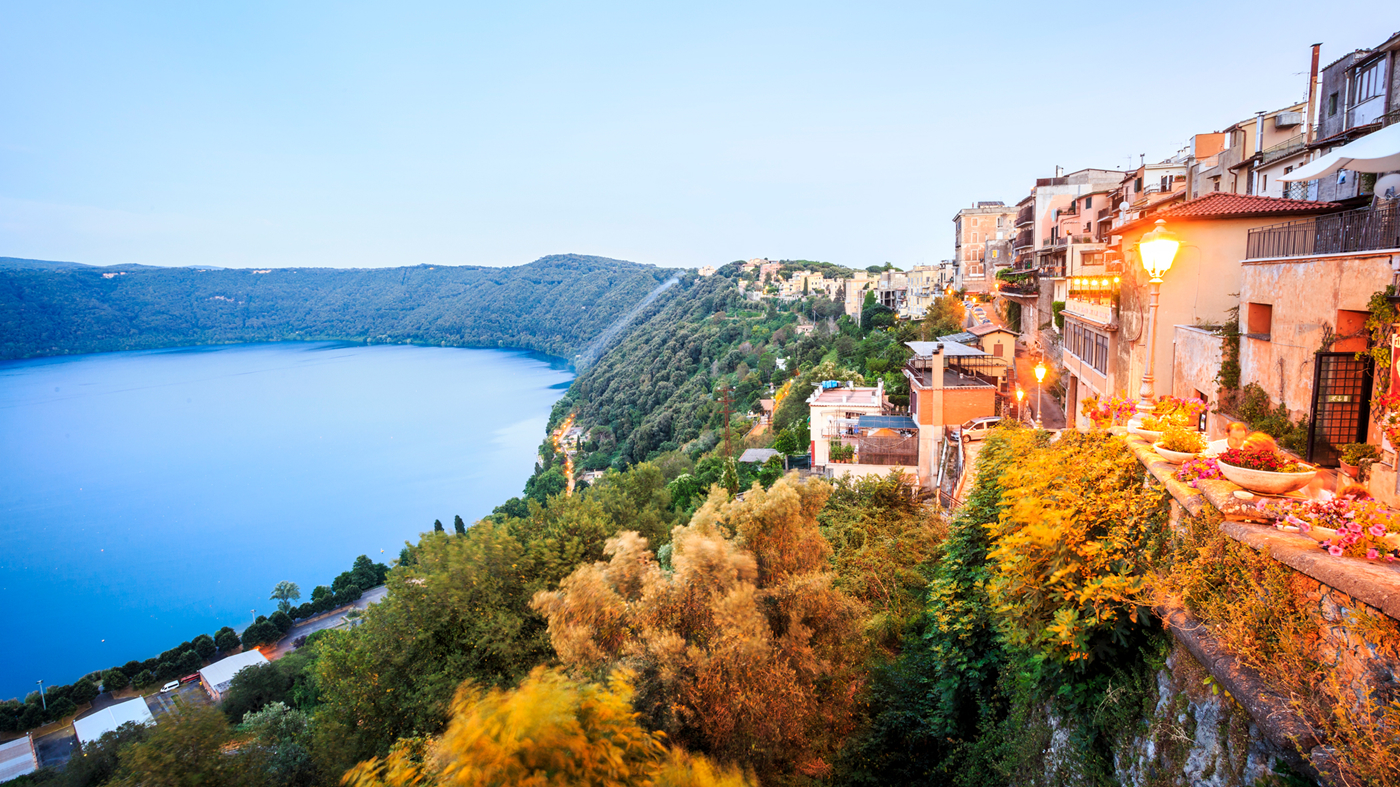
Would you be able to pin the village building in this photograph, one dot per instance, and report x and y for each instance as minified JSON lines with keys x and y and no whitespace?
{"x":96,"y":724}
{"x":18,"y":757}
{"x":217,"y":677}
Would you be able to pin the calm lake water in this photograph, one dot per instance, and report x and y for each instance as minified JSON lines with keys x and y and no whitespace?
{"x":148,"y":497}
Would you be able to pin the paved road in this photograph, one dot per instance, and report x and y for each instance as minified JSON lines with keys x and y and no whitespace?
{"x":1053,"y":416}
{"x":371,"y":596}
{"x":56,"y":748}
{"x":189,"y":695}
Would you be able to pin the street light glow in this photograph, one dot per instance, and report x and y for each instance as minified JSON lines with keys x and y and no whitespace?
{"x":1040,"y":372}
{"x":1158,"y":249}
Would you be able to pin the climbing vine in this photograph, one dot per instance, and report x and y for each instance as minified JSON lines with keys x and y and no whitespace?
{"x":1379,"y":328}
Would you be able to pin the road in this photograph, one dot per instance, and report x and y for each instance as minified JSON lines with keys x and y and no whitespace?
{"x":284,"y":646}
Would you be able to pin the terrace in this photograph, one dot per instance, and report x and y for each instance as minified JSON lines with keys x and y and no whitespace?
{"x":1366,"y":229}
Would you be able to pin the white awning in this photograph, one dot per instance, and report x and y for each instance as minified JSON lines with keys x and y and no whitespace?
{"x":1375,"y":152}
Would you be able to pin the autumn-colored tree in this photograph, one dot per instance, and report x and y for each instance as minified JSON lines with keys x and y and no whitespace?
{"x":745,"y":649}
{"x":946,"y":315}
{"x":548,"y":731}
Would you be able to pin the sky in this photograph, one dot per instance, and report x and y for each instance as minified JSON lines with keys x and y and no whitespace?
{"x":351,"y":134}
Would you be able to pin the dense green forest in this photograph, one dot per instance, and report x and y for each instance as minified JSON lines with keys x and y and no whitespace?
{"x":554,"y":305}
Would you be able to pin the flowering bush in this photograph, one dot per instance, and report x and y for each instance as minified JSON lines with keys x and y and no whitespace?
{"x":1386,"y":411}
{"x":1115,"y":412}
{"x":1182,"y":440}
{"x":1361,"y":525}
{"x":1199,"y":469}
{"x":1262,"y":459}
{"x":1186,"y":412}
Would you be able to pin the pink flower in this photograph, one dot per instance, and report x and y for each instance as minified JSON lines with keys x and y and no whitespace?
{"x":1334,"y":551}
{"x":1390,"y":557}
{"x":1354,"y":527}
{"x":1304,"y":527}
{"x":1372,"y":554}
{"x":1377,"y":530}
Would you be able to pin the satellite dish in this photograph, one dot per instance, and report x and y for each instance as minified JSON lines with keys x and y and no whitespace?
{"x":1385,"y":185}
{"x":1124,"y":205}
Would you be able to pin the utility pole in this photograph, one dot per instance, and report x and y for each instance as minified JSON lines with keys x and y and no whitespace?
{"x":725,"y":400}
{"x":43,"y":699}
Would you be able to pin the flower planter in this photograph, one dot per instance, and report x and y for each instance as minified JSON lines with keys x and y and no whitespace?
{"x":1266,"y":482}
{"x":1146,"y":434}
{"x":1175,"y":457}
{"x":1350,"y":470}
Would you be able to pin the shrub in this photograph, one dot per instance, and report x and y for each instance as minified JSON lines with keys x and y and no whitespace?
{"x":114,"y":680}
{"x":144,"y":679}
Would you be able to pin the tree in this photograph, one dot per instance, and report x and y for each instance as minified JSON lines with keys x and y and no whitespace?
{"x":281,"y":620}
{"x":226,"y":640}
{"x":143,"y":679}
{"x":283,"y":734}
{"x":750,"y":653}
{"x":189,"y":662}
{"x":99,"y":758}
{"x":186,"y":749}
{"x":114,"y":680}
{"x":945,"y":316}
{"x":576,"y":733}
{"x":321,"y":592}
{"x":262,"y":632}
{"x":254,"y":687}
{"x":545,"y":485}
{"x":84,"y":691}
{"x":459,"y":525}
{"x":204,"y":646}
{"x":284,"y":594}
{"x":437,"y":526}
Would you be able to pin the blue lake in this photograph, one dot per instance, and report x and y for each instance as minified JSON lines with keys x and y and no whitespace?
{"x":148,"y":497}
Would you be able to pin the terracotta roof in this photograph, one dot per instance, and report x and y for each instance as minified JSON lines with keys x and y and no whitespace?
{"x":1224,"y":205}
{"x":986,"y":328}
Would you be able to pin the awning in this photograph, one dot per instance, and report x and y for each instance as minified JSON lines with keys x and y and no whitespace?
{"x":1375,"y":152}
{"x":887,"y":422}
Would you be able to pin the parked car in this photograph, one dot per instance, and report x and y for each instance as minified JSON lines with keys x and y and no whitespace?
{"x":189,"y":679}
{"x":977,"y":428}
{"x":171,"y":686}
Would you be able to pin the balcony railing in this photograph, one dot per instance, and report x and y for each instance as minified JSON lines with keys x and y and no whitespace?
{"x":898,"y":450}
{"x":1283,"y":149}
{"x":1025,"y":215}
{"x":1367,"y":229}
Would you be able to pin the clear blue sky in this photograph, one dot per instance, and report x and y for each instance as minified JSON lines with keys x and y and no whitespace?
{"x":251,"y":134}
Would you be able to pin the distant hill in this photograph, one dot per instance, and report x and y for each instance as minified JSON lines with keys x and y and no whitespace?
{"x":19,"y":263}
{"x":554,"y":305}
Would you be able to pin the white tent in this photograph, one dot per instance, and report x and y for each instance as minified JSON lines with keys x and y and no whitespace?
{"x":217,"y":676}
{"x":90,"y":728}
{"x":1376,"y":152}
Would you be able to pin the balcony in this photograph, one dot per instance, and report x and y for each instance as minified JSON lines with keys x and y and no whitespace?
{"x":1025,"y":215}
{"x":1096,"y":312}
{"x":1367,"y":229}
{"x":1024,"y":239}
{"x":1283,"y":149}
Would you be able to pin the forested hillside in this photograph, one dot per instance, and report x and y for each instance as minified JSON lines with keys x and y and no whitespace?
{"x":554,"y":305}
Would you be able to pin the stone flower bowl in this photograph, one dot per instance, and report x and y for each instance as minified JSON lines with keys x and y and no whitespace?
{"x":1265,"y":482}
{"x":1146,"y":434}
{"x":1175,"y":457}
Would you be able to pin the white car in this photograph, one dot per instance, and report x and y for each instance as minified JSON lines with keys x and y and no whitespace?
{"x":977,"y":428}
{"x":171,"y":686}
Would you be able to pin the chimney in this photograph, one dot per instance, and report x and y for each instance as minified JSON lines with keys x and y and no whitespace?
{"x":1312,"y":95}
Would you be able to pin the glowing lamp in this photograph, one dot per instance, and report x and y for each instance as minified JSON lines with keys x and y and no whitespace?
{"x":1040,"y":372}
{"x":1158,"y":249}
{"x":1020,"y":394}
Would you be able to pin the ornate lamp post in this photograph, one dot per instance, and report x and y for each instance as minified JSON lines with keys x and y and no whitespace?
{"x":1020,"y":394}
{"x":1158,"y":249}
{"x":1039,"y":396}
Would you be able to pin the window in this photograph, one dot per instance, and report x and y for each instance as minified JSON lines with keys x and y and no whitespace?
{"x":1089,"y":201}
{"x":1331,"y":105}
{"x":1001,"y":222}
{"x":1368,"y":84}
{"x":996,"y":350}
{"x":1261,"y":320}
{"x":1101,"y":353}
{"x":1263,"y":183}
{"x":1137,"y":184}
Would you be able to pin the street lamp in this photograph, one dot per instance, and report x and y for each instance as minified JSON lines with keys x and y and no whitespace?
{"x":1158,"y":249}
{"x":1020,"y":394}
{"x":42,"y":697}
{"x":1039,"y":396}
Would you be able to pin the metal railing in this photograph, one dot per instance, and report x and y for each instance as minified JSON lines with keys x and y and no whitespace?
{"x":1025,"y":215}
{"x":1283,"y":149}
{"x":1366,"y":229}
{"x":901,"y":450}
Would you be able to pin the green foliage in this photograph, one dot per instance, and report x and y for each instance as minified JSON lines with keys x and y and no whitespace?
{"x":1379,"y":325}
{"x":189,"y":748}
{"x":458,"y":526}
{"x":946,"y":315}
{"x":96,"y":761}
{"x":1229,"y":374}
{"x":554,"y":305}
{"x":1254,"y":408}
{"x":284,"y":594}
{"x":1056,"y":307}
{"x":1013,"y":316}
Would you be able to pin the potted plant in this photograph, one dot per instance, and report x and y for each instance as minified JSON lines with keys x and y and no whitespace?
{"x":1357,"y":459}
{"x":1264,"y":470}
{"x":1169,"y":411}
{"x":1179,"y":444}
